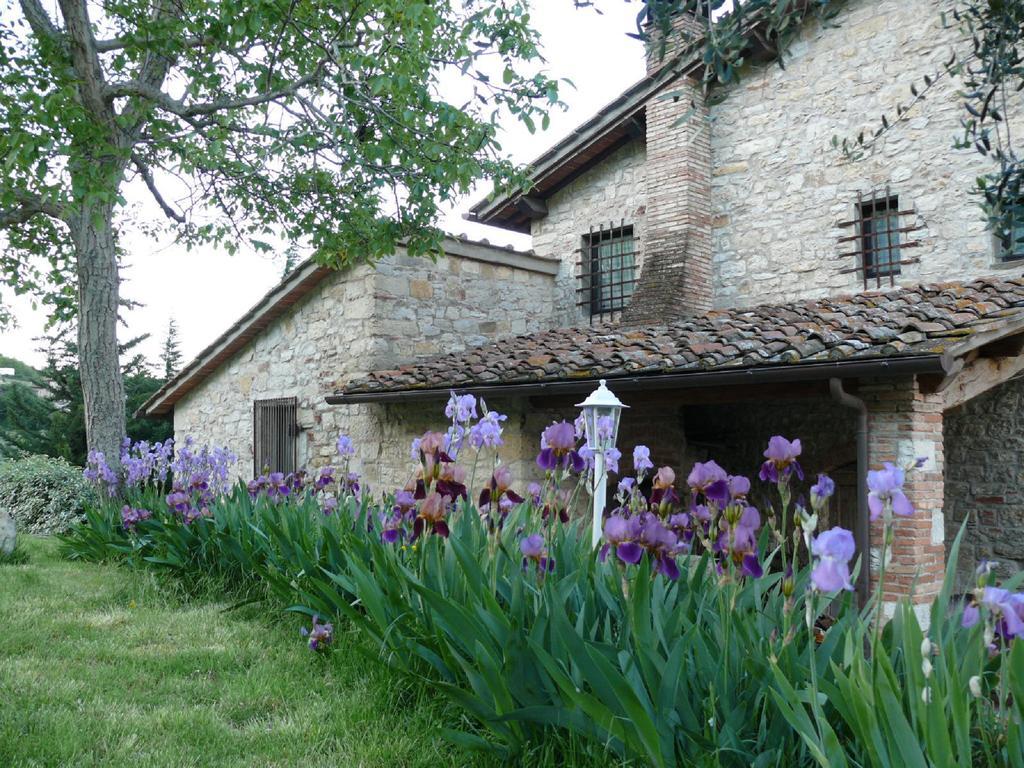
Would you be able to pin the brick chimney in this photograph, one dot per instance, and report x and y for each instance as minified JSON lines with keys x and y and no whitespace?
{"x":675,"y":276}
{"x":686,"y":28}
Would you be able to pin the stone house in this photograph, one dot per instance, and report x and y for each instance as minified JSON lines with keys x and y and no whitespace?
{"x":730,"y":274}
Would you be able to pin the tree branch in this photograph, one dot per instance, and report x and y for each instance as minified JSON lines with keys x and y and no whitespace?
{"x":84,"y":57}
{"x":40,"y":21}
{"x":181,"y":109}
{"x":147,"y":177}
{"x":120,"y":43}
{"x":28,"y":206}
{"x":152,"y":72}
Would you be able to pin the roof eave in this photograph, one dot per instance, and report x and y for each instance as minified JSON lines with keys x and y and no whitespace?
{"x":910,"y":365}
{"x":295,"y":285}
{"x":613,"y":115}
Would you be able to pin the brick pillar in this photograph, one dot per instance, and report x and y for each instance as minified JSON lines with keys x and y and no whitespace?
{"x":906,"y":423}
{"x":675,"y":277}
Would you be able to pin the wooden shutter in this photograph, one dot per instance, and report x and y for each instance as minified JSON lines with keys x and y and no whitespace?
{"x":274,"y":430}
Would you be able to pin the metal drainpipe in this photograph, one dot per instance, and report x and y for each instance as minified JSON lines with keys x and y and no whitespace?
{"x":862,"y":529}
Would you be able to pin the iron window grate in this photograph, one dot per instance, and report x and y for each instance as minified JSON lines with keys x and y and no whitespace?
{"x":1011,"y":244}
{"x":608,"y":271}
{"x":275,"y":428}
{"x":882,"y":234}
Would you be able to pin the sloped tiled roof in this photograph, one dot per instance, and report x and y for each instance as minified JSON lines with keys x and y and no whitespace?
{"x":293,"y":288}
{"x":944,"y":319}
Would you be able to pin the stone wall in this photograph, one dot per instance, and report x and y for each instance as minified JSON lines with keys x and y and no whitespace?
{"x":780,"y":188}
{"x":613,"y":192}
{"x":360,"y":320}
{"x":984,"y":480}
{"x":327,"y":336}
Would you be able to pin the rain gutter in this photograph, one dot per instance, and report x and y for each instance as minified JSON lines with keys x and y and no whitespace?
{"x":862,"y":530}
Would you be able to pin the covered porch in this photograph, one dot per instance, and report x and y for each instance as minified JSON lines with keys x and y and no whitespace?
{"x":861,"y":380}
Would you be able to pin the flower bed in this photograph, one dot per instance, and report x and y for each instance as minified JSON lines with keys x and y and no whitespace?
{"x":697,"y":632}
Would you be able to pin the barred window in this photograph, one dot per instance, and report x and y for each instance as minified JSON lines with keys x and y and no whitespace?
{"x":275,"y":427}
{"x":608,"y":273}
{"x":881,"y":235}
{"x":1011,"y":244}
{"x":880,"y":232}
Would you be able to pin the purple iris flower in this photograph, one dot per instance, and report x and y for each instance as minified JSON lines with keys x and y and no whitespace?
{"x":533,"y":490}
{"x":278,"y":486}
{"x":404,"y":501}
{"x":781,"y":456}
{"x":642,"y":459}
{"x":349,"y":484}
{"x":345,"y":446}
{"x":329,"y":505}
{"x":392,"y":528}
{"x":257,"y":486}
{"x":533,"y":550}
{"x":711,"y":480}
{"x":619,"y":533}
{"x":662,"y":545}
{"x":626,"y":486}
{"x":739,"y":487}
{"x":324,"y":478}
{"x":971,"y":615}
{"x":130,"y":517}
{"x":824,"y":488}
{"x":558,"y":448}
{"x":886,"y":486}
{"x":559,"y":436}
{"x":98,"y":471}
{"x":532,"y":545}
{"x":179,"y":501}
{"x":1006,"y":607}
{"x":611,"y":458}
{"x":738,"y":539}
{"x":834,"y":549}
{"x":633,"y":536}
{"x":320,"y":636}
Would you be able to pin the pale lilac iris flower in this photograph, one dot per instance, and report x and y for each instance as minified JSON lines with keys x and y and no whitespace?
{"x":487,"y":431}
{"x":345,"y":446}
{"x":886,"y":487}
{"x":833,"y":549}
{"x":461,"y":408}
{"x":642,"y":459}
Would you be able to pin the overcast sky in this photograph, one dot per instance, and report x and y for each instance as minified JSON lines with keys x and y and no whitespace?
{"x":206,"y":290}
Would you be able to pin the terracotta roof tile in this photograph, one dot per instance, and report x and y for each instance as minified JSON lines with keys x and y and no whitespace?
{"x":918,"y":320}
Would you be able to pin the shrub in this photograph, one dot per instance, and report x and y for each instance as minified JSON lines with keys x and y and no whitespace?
{"x":693,"y":636}
{"x":45,"y":495}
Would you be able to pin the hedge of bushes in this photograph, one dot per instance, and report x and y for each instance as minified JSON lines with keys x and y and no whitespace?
{"x":44,"y":495}
{"x":693,"y":635}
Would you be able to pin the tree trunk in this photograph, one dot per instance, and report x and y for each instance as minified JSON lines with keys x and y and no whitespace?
{"x":98,"y":291}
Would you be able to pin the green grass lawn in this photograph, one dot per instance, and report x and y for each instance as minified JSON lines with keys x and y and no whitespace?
{"x":102,"y":665}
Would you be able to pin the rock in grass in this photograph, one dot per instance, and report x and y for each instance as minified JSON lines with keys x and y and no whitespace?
{"x":8,"y":533}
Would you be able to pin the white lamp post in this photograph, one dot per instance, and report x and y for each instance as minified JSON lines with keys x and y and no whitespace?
{"x":601,"y":412}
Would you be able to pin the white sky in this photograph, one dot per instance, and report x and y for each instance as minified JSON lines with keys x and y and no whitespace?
{"x":206,"y":290}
